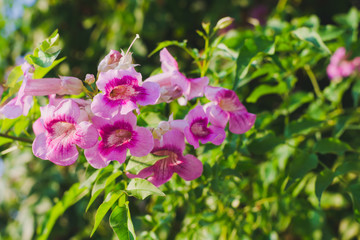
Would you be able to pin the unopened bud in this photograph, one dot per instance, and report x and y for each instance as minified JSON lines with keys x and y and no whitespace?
{"x":89,"y":78}
{"x":70,"y":85}
{"x":223,"y":23}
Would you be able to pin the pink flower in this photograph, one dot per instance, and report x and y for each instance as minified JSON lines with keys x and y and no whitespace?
{"x":188,"y":167}
{"x":117,"y":60}
{"x":122,"y":91}
{"x":117,"y":135}
{"x":339,"y":66}
{"x":61,"y":86}
{"x":21,"y":104}
{"x":226,"y":106}
{"x":198,"y":129}
{"x":63,"y":128}
{"x":174,"y":84}
{"x":165,"y":126}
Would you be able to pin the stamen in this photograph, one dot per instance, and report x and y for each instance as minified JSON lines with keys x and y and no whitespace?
{"x":136,"y":37}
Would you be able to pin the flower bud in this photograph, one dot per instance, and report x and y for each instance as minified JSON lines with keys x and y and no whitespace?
{"x":223,"y":23}
{"x":110,"y":61}
{"x":70,"y":85}
{"x":89,"y":78}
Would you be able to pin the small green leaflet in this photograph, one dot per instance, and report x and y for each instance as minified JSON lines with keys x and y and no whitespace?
{"x":141,"y":188}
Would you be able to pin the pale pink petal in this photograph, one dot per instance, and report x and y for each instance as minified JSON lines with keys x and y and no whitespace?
{"x":86,"y":135}
{"x":42,"y":87}
{"x":174,"y":138}
{"x":101,"y":107}
{"x":117,"y":155}
{"x":190,"y":138}
{"x":39,"y":146}
{"x":168,"y":62}
{"x":68,"y":110}
{"x":179,"y":80}
{"x":197,"y":86}
{"x":190,"y":168}
{"x":241,"y":121}
{"x":144,"y":173}
{"x":210,"y":92}
{"x":11,"y":110}
{"x":99,"y":122}
{"x":70,"y":85}
{"x":163,"y":79}
{"x":94,"y":158}
{"x":105,"y":77}
{"x":26,"y":102}
{"x":143,"y":142}
{"x":38,"y":126}
{"x":216,"y":115}
{"x":152,"y":91}
{"x":178,"y":124}
{"x":129,"y":118}
{"x":128,"y":107}
{"x":63,"y":154}
{"x":217,"y":136}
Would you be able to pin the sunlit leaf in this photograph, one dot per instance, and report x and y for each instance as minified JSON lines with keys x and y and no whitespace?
{"x":141,"y":188}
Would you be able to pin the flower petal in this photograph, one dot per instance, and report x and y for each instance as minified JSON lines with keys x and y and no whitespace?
{"x":143,"y":142}
{"x":11,"y":110}
{"x":94,"y":158}
{"x":210,"y":92}
{"x":216,"y":115}
{"x":102,"y":108}
{"x":62,"y":154}
{"x":241,"y":121}
{"x":190,"y":168}
{"x":42,"y":87}
{"x":39,"y":146}
{"x":117,"y":154}
{"x":86,"y":135}
{"x":197,"y":86}
{"x":217,"y":136}
{"x":162,"y":172}
{"x":174,"y":138}
{"x":168,"y":62}
{"x":152,"y":93}
{"x":128,"y":107}
{"x":190,"y":138}
{"x":67,"y":110}
{"x":129,"y":118}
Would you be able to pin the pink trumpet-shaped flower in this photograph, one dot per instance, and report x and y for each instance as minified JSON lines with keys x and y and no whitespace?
{"x":122,"y":91}
{"x":62,"y":130}
{"x":198,"y":129}
{"x":339,"y":65}
{"x":187,"y":167}
{"x":61,"y":86}
{"x":226,"y":106}
{"x":117,"y":135}
{"x":21,"y":104}
{"x":174,"y":84}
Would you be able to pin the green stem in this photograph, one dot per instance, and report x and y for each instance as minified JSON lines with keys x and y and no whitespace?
{"x":313,"y":80}
{"x":21,"y":139}
{"x":281,"y":5}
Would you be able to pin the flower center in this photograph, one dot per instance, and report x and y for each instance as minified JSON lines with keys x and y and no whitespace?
{"x":227,"y":104}
{"x":199,"y":128}
{"x":63,"y":128}
{"x":119,"y":137}
{"x":122,"y":92}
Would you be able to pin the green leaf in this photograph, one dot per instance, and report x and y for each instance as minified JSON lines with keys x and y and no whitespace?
{"x":309,"y":35}
{"x":331,"y":145}
{"x":110,"y":200}
{"x":335,"y":91}
{"x":248,"y":53}
{"x":41,"y":72}
{"x":354,"y":190}
{"x":262,"y":90}
{"x":141,"y":188}
{"x":14,"y":75}
{"x":355,"y":91}
{"x":101,"y":183}
{"x":302,"y":127}
{"x":120,"y":222}
{"x":301,"y":164}
{"x":44,"y":59}
{"x":330,"y":32}
{"x":352,"y":165}
{"x":165,"y":44}
{"x":72,"y":196}
{"x":264,"y":144}
{"x":295,"y":101}
{"x":136,"y":164}
{"x":323,"y":180}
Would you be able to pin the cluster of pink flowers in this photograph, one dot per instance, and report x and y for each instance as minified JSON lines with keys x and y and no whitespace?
{"x":106,"y":126}
{"x":340,"y":66}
